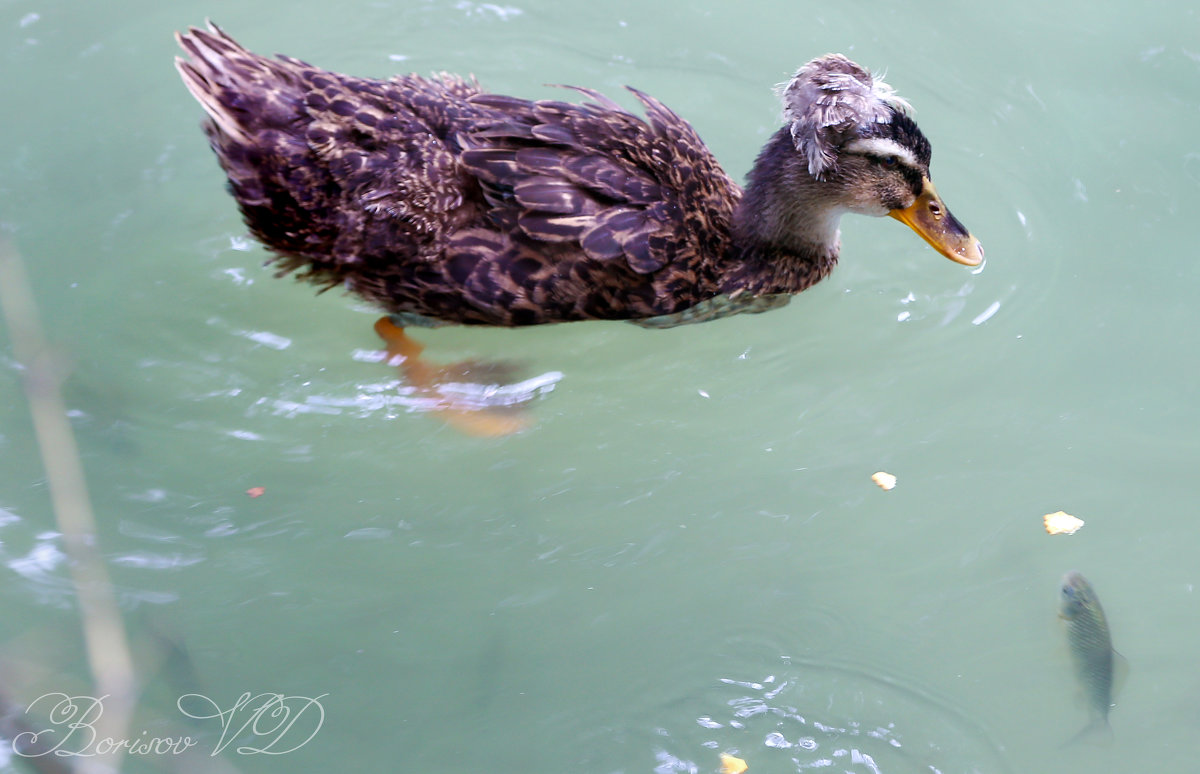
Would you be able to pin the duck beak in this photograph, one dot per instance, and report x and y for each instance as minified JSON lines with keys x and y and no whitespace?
{"x":930,"y":218}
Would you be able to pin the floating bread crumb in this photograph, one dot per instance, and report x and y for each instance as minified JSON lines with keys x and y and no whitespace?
{"x":1060,"y":523}
{"x":884,"y":481}
{"x":732,"y":765}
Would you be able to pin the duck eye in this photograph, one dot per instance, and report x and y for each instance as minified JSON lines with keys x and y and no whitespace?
{"x":890,"y":161}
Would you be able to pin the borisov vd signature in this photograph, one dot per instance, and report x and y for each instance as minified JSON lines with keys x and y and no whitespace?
{"x":270,"y":716}
{"x":262,"y":724}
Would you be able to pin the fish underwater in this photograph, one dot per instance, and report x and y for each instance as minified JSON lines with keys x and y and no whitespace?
{"x":1096,"y":663}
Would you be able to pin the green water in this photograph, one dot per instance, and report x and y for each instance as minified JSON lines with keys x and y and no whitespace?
{"x":685,"y":555}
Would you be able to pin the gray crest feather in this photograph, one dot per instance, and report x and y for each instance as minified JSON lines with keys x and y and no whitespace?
{"x":827,"y":101}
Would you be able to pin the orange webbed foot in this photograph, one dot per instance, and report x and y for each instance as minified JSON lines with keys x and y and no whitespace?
{"x":461,"y":393}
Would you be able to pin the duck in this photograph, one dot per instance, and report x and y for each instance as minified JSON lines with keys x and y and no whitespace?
{"x":441,"y":203}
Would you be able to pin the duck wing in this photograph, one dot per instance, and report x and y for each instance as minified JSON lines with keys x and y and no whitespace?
{"x":645,"y":193}
{"x":589,"y":212}
{"x":434,"y":199}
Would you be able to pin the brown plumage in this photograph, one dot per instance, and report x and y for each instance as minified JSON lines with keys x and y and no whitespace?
{"x":445,"y":204}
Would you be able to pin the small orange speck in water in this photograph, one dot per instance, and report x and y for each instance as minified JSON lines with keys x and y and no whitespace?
{"x":256,"y":491}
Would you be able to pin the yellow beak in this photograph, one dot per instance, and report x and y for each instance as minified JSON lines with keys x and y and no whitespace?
{"x":929,"y":217}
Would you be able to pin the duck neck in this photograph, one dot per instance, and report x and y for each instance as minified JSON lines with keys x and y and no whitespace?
{"x":785,"y":237}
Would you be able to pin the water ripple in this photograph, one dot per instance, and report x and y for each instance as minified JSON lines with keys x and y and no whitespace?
{"x":821,"y":713}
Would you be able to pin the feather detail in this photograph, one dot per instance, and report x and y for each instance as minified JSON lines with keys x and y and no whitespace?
{"x":827,"y":101}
